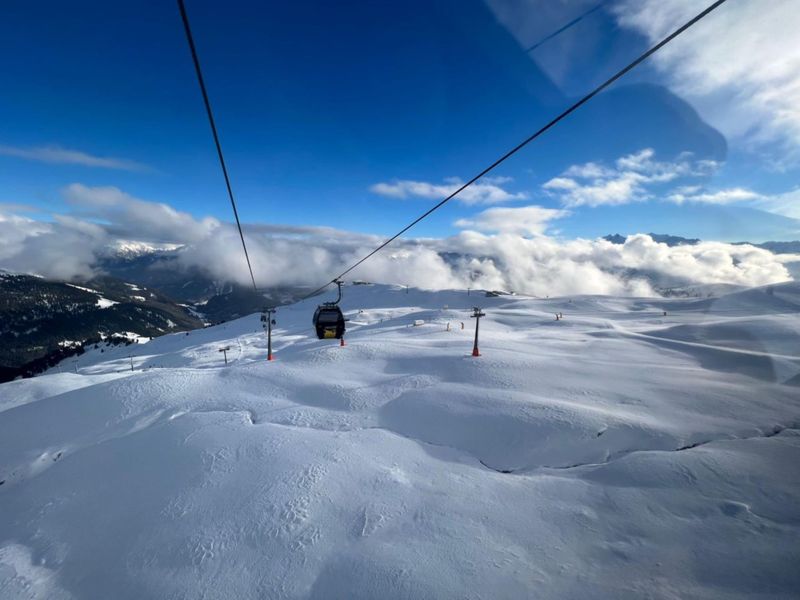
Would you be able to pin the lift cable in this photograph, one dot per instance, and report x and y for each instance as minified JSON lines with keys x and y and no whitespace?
{"x":563,"y":28}
{"x":528,"y":140}
{"x":193,"y":50}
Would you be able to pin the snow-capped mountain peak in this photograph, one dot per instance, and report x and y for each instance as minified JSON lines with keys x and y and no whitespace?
{"x":128,"y":249}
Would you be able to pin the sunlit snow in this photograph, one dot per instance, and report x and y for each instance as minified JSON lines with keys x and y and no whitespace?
{"x":633,"y":448}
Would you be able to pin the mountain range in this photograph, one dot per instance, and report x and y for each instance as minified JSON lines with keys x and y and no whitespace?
{"x":42,"y":322}
{"x":146,"y":291}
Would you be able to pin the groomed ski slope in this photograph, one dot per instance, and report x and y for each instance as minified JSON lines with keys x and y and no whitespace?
{"x":617,"y":453}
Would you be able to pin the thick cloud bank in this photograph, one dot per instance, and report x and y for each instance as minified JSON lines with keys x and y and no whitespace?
{"x":545,"y":266}
{"x":497,"y":249}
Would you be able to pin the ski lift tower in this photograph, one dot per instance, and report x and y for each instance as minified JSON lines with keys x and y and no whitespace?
{"x":477,"y":314}
{"x":267,"y":322}
{"x":224,"y":351}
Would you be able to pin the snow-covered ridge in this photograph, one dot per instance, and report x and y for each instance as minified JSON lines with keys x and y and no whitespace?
{"x":38,"y":314}
{"x":618,"y":452}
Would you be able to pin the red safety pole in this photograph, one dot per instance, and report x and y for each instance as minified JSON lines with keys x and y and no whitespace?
{"x":477,"y":316}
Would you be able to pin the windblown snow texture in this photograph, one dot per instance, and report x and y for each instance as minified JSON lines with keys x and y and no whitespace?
{"x":615,"y":453}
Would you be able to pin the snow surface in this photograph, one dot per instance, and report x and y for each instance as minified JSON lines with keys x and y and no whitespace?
{"x":616,"y":453}
{"x":85,"y":289}
{"x":101,"y":301}
{"x":105,"y":302}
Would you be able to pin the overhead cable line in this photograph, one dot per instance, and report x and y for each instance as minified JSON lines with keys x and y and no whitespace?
{"x":563,"y":28}
{"x":641,"y":58}
{"x":193,"y":50}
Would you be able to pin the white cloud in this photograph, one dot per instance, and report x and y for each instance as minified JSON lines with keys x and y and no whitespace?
{"x":497,"y":179}
{"x":15,"y":207}
{"x":590,"y":170}
{"x":740,"y":66}
{"x":621,"y":188}
{"x":525,"y":220}
{"x":69,"y":246}
{"x":63,"y":249}
{"x":518,"y":256}
{"x":631,"y":179}
{"x":655,"y":171}
{"x":544,"y":266}
{"x":726,"y":196}
{"x":485,"y":191}
{"x":138,"y":219}
{"x":58,"y":155}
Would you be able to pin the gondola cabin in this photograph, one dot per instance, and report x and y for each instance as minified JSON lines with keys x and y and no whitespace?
{"x":329,"y":321}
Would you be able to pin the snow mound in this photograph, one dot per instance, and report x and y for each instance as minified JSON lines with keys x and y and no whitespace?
{"x":770,"y":299}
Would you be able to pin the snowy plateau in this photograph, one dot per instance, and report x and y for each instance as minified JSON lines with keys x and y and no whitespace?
{"x":635,"y":448}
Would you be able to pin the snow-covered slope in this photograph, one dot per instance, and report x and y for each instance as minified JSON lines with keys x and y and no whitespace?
{"x":616,"y":453}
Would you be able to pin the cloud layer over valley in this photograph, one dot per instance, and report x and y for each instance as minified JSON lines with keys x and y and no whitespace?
{"x":499,"y":248}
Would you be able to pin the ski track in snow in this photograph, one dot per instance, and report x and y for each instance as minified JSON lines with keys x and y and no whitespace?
{"x":617,"y":453}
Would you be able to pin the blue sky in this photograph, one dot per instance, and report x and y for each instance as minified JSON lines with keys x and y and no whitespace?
{"x":329,"y":111}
